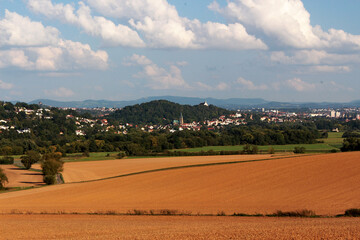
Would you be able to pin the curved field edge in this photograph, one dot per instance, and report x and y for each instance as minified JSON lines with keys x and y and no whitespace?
{"x":327,"y":184}
{"x":16,"y":188}
{"x":186,"y":166}
{"x":84,"y":171}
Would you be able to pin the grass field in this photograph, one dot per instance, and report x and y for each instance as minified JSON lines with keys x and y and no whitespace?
{"x":319,"y":147}
{"x":143,"y":227}
{"x":78,"y":157}
{"x":334,"y":139}
{"x":326,"y":184}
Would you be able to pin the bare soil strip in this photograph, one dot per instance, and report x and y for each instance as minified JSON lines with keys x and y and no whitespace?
{"x":170,"y":227}
{"x":327,"y":184}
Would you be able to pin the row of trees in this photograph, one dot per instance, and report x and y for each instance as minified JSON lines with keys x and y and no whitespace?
{"x":351,"y":144}
{"x":51,"y":165}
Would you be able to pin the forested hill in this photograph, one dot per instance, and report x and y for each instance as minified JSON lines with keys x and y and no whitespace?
{"x":165,"y":112}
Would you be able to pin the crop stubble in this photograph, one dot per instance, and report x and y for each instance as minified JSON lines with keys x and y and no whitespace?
{"x":327,"y":184}
{"x":170,"y":227}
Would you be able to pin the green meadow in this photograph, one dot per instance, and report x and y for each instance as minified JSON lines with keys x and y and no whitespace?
{"x":334,"y":141}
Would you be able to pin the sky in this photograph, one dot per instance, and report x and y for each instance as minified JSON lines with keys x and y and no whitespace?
{"x":278,"y":50}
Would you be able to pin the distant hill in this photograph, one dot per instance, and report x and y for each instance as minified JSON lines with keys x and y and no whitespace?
{"x":164,"y":112}
{"x":231,"y":103}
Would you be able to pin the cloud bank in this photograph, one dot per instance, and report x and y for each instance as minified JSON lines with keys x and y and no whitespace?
{"x":32,"y":46}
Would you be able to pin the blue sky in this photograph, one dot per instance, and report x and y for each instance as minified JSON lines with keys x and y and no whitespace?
{"x":278,"y":50}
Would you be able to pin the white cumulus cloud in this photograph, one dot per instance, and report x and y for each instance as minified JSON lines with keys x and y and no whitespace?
{"x":249,"y":85}
{"x":15,"y":58}
{"x":66,"y":55}
{"x":157,"y":77}
{"x":32,"y":46}
{"x":99,"y":26}
{"x":299,"y":85}
{"x":160,"y":24}
{"x":5,"y":85}
{"x":313,"y":57}
{"x":286,"y":22}
{"x":16,"y":30}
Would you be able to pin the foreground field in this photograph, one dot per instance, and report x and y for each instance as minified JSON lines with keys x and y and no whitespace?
{"x":85,"y":171}
{"x":162,"y":227}
{"x":327,"y":184}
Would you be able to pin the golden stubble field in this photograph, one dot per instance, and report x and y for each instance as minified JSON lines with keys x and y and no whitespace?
{"x":174,"y":227}
{"x":85,"y":171}
{"x":327,"y":184}
{"x":22,"y":178}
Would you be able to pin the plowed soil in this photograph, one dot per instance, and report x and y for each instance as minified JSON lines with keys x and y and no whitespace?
{"x":151,"y":227}
{"x":327,"y":184}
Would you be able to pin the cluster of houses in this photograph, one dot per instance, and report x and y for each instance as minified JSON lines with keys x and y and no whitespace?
{"x":346,"y":114}
{"x":7,"y":124}
{"x":239,"y":118}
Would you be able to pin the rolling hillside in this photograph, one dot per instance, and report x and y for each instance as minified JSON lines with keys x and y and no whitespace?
{"x":327,"y":184}
{"x":164,"y":112}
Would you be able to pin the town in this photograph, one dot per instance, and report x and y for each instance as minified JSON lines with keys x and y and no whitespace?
{"x":239,"y":117}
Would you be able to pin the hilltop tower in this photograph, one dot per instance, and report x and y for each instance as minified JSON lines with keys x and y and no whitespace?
{"x":181,"y":119}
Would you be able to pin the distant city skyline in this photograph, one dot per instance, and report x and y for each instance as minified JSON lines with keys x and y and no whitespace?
{"x":280,"y":50}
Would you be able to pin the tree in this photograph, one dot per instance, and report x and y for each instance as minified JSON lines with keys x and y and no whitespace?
{"x":3,"y":179}
{"x":250,"y":149}
{"x":299,"y":150}
{"x":30,"y":158}
{"x":51,"y":166}
{"x":351,"y":144}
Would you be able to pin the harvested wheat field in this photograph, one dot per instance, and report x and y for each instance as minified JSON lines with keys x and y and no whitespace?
{"x":327,"y":184}
{"x":22,"y":178}
{"x":170,"y":227}
{"x":85,"y":171}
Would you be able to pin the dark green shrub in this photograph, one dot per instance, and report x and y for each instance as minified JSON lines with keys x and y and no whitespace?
{"x":49,"y":179}
{"x":299,"y":150}
{"x":6,"y":160}
{"x":121,"y":155}
{"x":271,"y":150}
{"x":353,"y":212}
{"x":51,"y":167}
{"x":298,"y":213}
{"x":30,"y":158}
{"x":3,"y":179}
{"x":168,"y":212}
{"x":86,"y":154}
{"x":351,"y":144}
{"x":250,"y":149}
